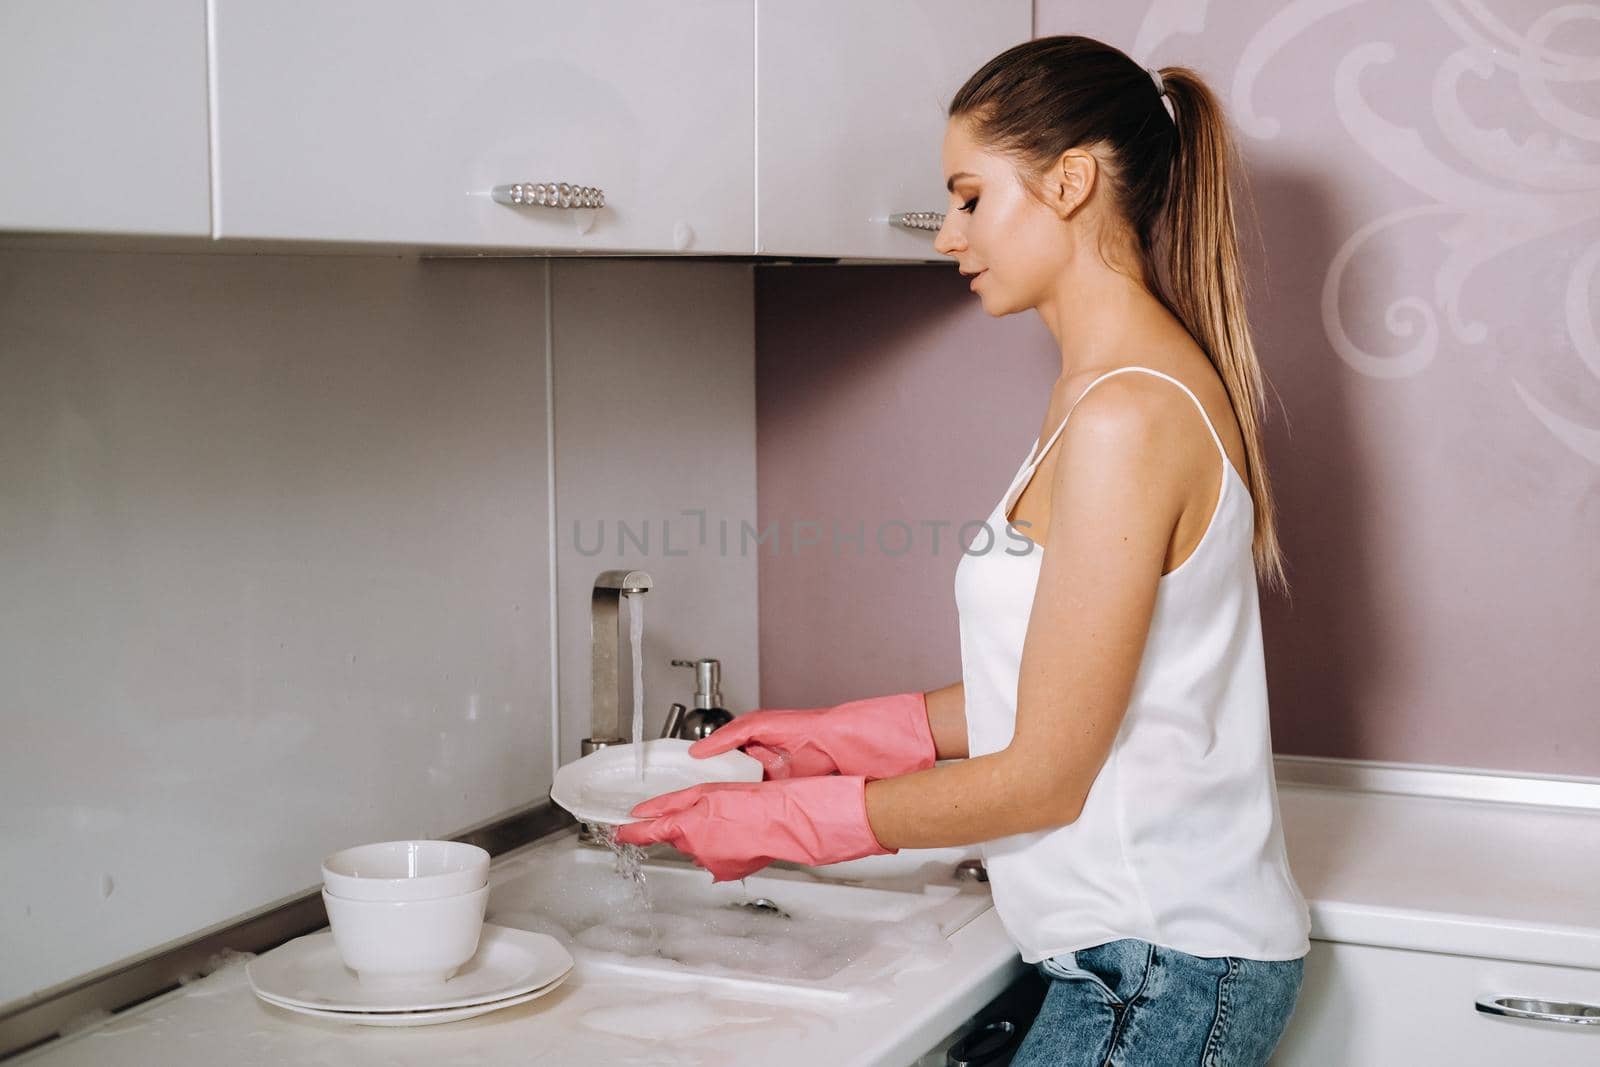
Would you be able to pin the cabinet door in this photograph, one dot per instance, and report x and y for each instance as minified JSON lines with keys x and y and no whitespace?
{"x":391,"y":121}
{"x":852,"y":100}
{"x":1362,"y":1005}
{"x":103,"y":117}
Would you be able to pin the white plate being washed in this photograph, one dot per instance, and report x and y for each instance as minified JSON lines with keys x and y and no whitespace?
{"x":417,"y":1018}
{"x":309,"y":973}
{"x":603,"y":786}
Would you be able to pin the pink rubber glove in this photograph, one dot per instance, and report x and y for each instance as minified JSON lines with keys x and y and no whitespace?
{"x":879,"y":737}
{"x":734,"y":829}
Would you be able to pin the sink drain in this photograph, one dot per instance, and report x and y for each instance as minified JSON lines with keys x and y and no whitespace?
{"x":763,"y":905}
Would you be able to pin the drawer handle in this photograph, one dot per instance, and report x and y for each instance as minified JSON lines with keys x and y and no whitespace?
{"x":1544,"y":1011}
{"x":549,"y":194}
{"x":918,"y":220}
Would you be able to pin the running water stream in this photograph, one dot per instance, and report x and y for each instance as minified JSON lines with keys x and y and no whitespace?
{"x":630,"y":858}
{"x":636,"y":643}
{"x":630,"y":865}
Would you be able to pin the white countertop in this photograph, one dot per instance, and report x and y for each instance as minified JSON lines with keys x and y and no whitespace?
{"x":1470,"y":877}
{"x":594,"y":1019}
{"x":1473,"y":877}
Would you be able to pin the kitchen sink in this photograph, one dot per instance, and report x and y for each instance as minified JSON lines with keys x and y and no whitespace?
{"x":784,"y":932}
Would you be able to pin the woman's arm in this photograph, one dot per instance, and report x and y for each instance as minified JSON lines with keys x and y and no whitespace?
{"x":1115,"y":499}
{"x":947,"y":719}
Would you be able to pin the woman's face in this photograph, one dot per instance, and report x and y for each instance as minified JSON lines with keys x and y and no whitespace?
{"x":1017,"y":246}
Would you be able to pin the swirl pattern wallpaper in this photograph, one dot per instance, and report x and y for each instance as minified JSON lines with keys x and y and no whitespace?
{"x":1421,"y":215}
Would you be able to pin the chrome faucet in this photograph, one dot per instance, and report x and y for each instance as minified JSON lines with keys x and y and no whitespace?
{"x":605,"y":721}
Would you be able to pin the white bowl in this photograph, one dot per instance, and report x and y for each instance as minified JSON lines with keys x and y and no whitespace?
{"x":603,"y":787}
{"x":393,"y":944}
{"x":406,"y":870}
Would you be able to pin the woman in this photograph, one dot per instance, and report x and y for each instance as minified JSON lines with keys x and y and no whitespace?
{"x":1110,"y":734}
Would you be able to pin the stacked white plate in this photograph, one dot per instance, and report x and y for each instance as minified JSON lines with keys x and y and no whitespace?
{"x":511,"y":966}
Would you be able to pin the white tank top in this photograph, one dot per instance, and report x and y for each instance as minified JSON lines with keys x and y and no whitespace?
{"x":1180,"y":841}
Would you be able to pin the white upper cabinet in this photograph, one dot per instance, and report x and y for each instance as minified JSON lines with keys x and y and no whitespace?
{"x":392,"y":121}
{"x":852,"y":99}
{"x":103,"y":117}
{"x":719,"y":127}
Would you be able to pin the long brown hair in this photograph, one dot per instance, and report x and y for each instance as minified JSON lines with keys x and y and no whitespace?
{"x":1170,"y":178}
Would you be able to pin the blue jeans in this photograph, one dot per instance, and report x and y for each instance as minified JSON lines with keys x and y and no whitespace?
{"x":1130,"y":1003}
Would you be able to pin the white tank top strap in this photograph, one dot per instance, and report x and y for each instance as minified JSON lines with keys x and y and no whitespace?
{"x":1034,"y":461}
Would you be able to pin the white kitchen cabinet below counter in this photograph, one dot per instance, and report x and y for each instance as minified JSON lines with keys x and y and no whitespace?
{"x":1363,"y":1005}
{"x":1423,"y":905}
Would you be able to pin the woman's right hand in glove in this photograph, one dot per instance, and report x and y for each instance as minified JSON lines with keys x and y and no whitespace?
{"x":878,"y":737}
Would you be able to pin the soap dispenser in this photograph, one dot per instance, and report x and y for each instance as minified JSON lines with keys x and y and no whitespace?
{"x":708,"y":712}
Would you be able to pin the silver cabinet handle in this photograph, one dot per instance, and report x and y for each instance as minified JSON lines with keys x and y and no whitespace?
{"x":549,"y":194}
{"x":918,"y":220}
{"x":1544,"y":1011}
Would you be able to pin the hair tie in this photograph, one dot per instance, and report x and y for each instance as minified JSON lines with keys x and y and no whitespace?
{"x":1161,"y":92}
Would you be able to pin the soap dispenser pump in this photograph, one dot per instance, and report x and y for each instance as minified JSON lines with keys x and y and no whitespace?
{"x":708,"y":712}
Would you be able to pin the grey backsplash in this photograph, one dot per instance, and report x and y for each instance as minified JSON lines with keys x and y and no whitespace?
{"x":276,"y":568}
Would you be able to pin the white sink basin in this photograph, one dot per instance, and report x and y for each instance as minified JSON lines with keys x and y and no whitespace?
{"x":806,"y":934}
{"x":928,"y":865}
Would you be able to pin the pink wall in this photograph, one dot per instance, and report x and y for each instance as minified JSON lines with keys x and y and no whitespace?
{"x":1427,"y":319}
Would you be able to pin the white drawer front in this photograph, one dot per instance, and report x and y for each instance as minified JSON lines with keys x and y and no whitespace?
{"x":391,"y":121}
{"x":1362,"y":1006}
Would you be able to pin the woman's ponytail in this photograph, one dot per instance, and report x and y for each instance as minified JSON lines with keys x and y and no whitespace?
{"x":1207,"y":283}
